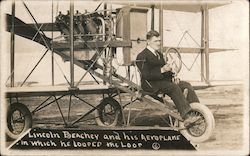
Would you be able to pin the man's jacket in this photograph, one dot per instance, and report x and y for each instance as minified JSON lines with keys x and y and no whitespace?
{"x":149,"y":66}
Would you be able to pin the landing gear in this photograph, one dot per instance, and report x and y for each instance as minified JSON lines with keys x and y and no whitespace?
{"x":19,"y":120}
{"x":202,"y":126}
{"x":108,"y":113}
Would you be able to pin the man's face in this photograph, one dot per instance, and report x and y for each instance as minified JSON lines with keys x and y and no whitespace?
{"x":154,"y":42}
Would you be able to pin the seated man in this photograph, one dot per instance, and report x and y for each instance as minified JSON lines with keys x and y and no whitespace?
{"x":153,"y":70}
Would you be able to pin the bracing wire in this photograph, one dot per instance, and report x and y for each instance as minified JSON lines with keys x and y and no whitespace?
{"x":49,"y":48}
{"x":184,"y":37}
{"x":64,"y":75}
{"x":189,"y":68}
{"x":34,"y":67}
{"x":46,"y":43}
{"x":179,"y":26}
{"x":38,"y":29}
{"x":98,"y":6}
{"x":9,"y":77}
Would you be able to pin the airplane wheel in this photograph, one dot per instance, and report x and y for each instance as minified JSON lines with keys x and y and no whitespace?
{"x":108,"y":113}
{"x":203,"y":126}
{"x":19,"y":120}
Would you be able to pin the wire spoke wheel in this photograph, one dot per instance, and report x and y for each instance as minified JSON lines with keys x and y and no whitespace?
{"x":19,"y":120}
{"x":201,"y":126}
{"x":108,"y":112}
{"x":198,"y":127}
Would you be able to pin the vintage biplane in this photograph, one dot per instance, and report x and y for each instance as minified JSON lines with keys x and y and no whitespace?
{"x":90,"y":41}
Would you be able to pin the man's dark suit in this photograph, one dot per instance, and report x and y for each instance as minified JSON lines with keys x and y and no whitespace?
{"x":153,"y":80}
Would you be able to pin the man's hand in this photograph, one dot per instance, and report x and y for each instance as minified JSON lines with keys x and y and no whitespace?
{"x":176,"y":80}
{"x":166,"y":68}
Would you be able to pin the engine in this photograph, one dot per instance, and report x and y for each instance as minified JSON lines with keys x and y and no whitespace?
{"x":87,"y":27}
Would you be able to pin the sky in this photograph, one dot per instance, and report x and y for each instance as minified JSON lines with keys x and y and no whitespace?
{"x":228,"y":29}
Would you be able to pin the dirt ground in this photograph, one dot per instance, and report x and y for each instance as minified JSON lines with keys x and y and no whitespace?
{"x":226,"y":103}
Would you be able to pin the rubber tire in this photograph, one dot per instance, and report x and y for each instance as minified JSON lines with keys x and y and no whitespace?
{"x":27,"y":120}
{"x":117,"y":109}
{"x":210,"y":124}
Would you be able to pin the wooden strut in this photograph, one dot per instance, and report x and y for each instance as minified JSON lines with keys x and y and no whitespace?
{"x":72,"y":85}
{"x":12,"y":50}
